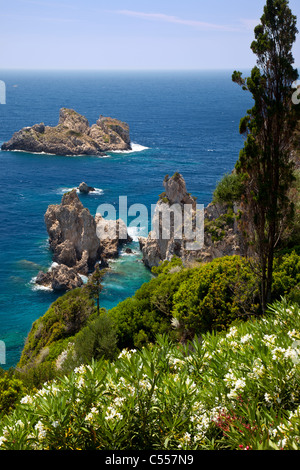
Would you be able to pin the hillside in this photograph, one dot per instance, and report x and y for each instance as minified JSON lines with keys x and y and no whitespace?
{"x":237,"y":389}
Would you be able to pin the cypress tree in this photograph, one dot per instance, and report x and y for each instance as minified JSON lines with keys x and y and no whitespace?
{"x":265,"y":161}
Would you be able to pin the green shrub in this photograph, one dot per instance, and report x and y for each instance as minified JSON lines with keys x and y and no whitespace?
{"x":11,"y":390}
{"x":65,"y":317}
{"x":215,"y":295}
{"x":205,"y":298}
{"x":97,"y":339}
{"x":229,"y":189}
{"x":36,"y":375}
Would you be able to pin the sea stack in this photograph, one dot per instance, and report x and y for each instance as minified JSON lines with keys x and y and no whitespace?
{"x":219,"y":232}
{"x":79,"y":242}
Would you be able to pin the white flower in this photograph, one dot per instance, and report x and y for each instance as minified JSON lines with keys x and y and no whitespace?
{"x":232,"y":332}
{"x":92,"y":414}
{"x":269,"y":339}
{"x":80,"y":382}
{"x":186,"y":437}
{"x":233,"y":394}
{"x":80,"y":370}
{"x":246,"y":338}
{"x":27,"y":400}
{"x":2,"y":440}
{"x":268,"y":398}
{"x":125,"y":354}
{"x":293,"y":334}
{"x":240,"y":384}
{"x":41,"y":430}
{"x":19,"y":423}
{"x":113,"y":414}
{"x":277,"y":353}
{"x":258,"y":369}
{"x":291,"y":353}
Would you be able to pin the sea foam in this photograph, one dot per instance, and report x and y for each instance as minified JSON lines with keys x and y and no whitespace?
{"x":134,"y":148}
{"x":97,"y":192}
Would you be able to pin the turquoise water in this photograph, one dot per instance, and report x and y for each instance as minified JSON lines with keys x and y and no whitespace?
{"x":179,"y":121}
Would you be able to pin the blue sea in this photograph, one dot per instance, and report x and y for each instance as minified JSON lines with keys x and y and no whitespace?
{"x":179,"y":121}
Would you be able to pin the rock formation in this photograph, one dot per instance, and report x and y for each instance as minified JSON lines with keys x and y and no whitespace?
{"x":72,"y":136}
{"x":59,"y":278}
{"x":85,"y":189}
{"x":113,"y":234}
{"x":72,"y":234}
{"x":220,"y":236}
{"x":78,"y":242}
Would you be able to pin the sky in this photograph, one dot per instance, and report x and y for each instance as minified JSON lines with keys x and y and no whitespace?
{"x":131,"y":34}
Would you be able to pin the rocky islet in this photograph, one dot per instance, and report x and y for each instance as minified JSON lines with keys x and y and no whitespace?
{"x":72,"y":136}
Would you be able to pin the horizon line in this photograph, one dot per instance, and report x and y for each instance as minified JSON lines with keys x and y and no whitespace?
{"x":208,"y":69}
{"x":121,"y":69}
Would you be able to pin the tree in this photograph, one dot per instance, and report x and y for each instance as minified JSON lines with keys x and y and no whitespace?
{"x":94,"y":285}
{"x":265,"y":161}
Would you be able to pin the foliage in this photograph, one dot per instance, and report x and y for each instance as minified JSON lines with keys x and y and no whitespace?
{"x":229,"y":189}
{"x":96,"y":340}
{"x":11,"y":390}
{"x":226,"y":289}
{"x":265,"y":161}
{"x":33,"y":376}
{"x":238,"y":389}
{"x":179,"y":302}
{"x":219,"y":226}
{"x":65,"y":317}
{"x":94,"y":285}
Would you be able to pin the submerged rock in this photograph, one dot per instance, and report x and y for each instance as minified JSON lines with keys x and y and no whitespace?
{"x":72,"y":136}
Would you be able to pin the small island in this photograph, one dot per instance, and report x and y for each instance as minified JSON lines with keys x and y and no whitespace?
{"x":72,"y":136}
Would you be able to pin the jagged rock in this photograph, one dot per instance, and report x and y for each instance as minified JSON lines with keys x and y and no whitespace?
{"x":112,"y":235}
{"x":72,"y":234}
{"x":79,"y":242}
{"x":214,"y":242}
{"x":72,"y":136}
{"x":85,"y":189}
{"x":59,"y":278}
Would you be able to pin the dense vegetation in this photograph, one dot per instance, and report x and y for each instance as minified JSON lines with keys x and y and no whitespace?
{"x":180,"y":302}
{"x":237,"y":389}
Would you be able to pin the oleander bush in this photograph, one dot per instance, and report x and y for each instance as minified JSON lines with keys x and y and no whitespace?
{"x":236,"y":389}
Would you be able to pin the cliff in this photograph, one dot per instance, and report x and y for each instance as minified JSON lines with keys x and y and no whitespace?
{"x":221,"y":236}
{"x":72,"y":136}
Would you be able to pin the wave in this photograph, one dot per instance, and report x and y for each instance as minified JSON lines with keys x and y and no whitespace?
{"x":134,"y":148}
{"x":35,"y":286}
{"x":136,"y":232}
{"x":97,"y":192}
{"x":84,"y":278}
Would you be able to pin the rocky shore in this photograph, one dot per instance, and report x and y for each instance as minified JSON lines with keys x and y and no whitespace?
{"x":72,"y":136}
